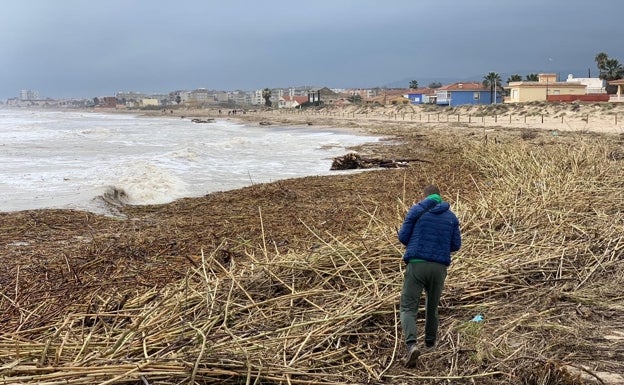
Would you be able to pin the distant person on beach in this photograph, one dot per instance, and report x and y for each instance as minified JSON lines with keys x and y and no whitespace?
{"x":430,"y":233}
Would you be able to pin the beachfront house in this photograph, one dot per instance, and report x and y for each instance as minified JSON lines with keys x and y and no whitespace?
{"x":291,"y":101}
{"x":619,"y":96}
{"x":149,"y":102}
{"x":421,"y":95}
{"x":546,"y":88}
{"x":390,"y":97}
{"x":594,"y":85}
{"x":463,"y":93}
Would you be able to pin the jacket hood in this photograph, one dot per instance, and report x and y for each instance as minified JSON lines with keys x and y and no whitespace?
{"x":440,"y":208}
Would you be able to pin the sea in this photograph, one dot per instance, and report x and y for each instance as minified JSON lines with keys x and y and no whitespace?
{"x":89,"y":160}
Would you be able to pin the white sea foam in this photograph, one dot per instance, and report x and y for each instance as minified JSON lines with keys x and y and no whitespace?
{"x":145,"y":183}
{"x":51,"y":159}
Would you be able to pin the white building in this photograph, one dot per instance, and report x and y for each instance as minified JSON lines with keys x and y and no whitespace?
{"x":28,"y":95}
{"x":594,"y":85}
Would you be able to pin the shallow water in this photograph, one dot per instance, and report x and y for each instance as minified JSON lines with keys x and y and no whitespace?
{"x":70,"y":159}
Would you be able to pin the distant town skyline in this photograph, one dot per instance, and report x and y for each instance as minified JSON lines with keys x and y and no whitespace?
{"x":80,"y":49}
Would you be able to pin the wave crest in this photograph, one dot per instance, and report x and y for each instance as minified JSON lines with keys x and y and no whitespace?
{"x":115,"y":196}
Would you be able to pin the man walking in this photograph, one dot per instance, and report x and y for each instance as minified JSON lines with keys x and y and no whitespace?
{"x":430,"y":233}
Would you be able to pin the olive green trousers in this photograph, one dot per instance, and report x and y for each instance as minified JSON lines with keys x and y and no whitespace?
{"x":419,"y":276}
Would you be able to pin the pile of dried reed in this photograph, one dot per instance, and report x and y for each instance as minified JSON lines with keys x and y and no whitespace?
{"x":541,"y":262}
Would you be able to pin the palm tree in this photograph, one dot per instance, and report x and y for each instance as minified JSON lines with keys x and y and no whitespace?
{"x":532,"y":77}
{"x":492,"y":80}
{"x":601,"y":59}
{"x":612,"y":70}
{"x":266,"y":95}
{"x":514,"y":78}
{"x":413,"y":84}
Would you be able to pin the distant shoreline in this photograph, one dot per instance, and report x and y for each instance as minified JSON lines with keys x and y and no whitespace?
{"x":587,"y":117}
{"x":605,"y":118}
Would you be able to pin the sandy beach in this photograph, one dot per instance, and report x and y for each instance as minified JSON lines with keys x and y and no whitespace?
{"x":567,"y":117}
{"x":297,"y":281}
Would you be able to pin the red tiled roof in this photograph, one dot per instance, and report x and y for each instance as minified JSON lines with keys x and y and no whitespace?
{"x":464,"y":86}
{"x":298,"y":99}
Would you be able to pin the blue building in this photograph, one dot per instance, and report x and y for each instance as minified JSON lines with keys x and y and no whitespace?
{"x":421,"y":96}
{"x":458,"y":94}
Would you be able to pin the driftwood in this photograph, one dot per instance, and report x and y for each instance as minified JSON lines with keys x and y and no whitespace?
{"x":354,"y":161}
{"x":197,"y":120}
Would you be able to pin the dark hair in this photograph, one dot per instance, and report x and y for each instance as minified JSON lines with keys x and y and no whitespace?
{"x":431,"y":189}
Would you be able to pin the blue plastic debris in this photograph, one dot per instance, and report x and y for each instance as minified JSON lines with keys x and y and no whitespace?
{"x":477,"y":318}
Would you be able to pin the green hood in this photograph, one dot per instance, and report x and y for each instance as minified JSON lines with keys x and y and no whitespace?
{"x":435,"y":197}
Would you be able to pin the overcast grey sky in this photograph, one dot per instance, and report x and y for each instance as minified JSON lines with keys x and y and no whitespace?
{"x":85,"y":48}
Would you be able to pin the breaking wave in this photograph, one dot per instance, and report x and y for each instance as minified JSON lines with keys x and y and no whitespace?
{"x":143,"y":183}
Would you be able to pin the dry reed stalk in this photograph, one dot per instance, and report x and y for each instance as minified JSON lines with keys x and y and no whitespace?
{"x":541,"y":261}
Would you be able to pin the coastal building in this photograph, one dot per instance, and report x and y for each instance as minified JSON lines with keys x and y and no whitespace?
{"x":130,"y":98}
{"x":322,"y":95}
{"x":149,"y":102}
{"x":28,"y":95}
{"x":288,"y":101}
{"x":221,"y":97}
{"x":390,"y":96}
{"x":257,"y":98}
{"x":46,"y":102}
{"x":239,"y":97}
{"x":200,"y":96}
{"x":619,"y":96}
{"x":363,"y":93}
{"x":422,"y":96}
{"x":547,"y":87}
{"x":594,"y":85}
{"x":163,"y":99}
{"x":463,"y":93}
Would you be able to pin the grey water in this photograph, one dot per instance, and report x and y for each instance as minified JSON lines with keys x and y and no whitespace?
{"x":71,"y":159}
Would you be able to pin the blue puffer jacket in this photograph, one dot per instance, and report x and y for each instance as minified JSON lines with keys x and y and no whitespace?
{"x":430,"y":235}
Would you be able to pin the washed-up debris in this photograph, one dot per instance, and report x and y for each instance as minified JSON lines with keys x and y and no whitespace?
{"x":197,"y":120}
{"x":354,"y":161}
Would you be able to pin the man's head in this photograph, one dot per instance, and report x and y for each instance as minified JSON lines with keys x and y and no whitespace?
{"x":431,"y":189}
